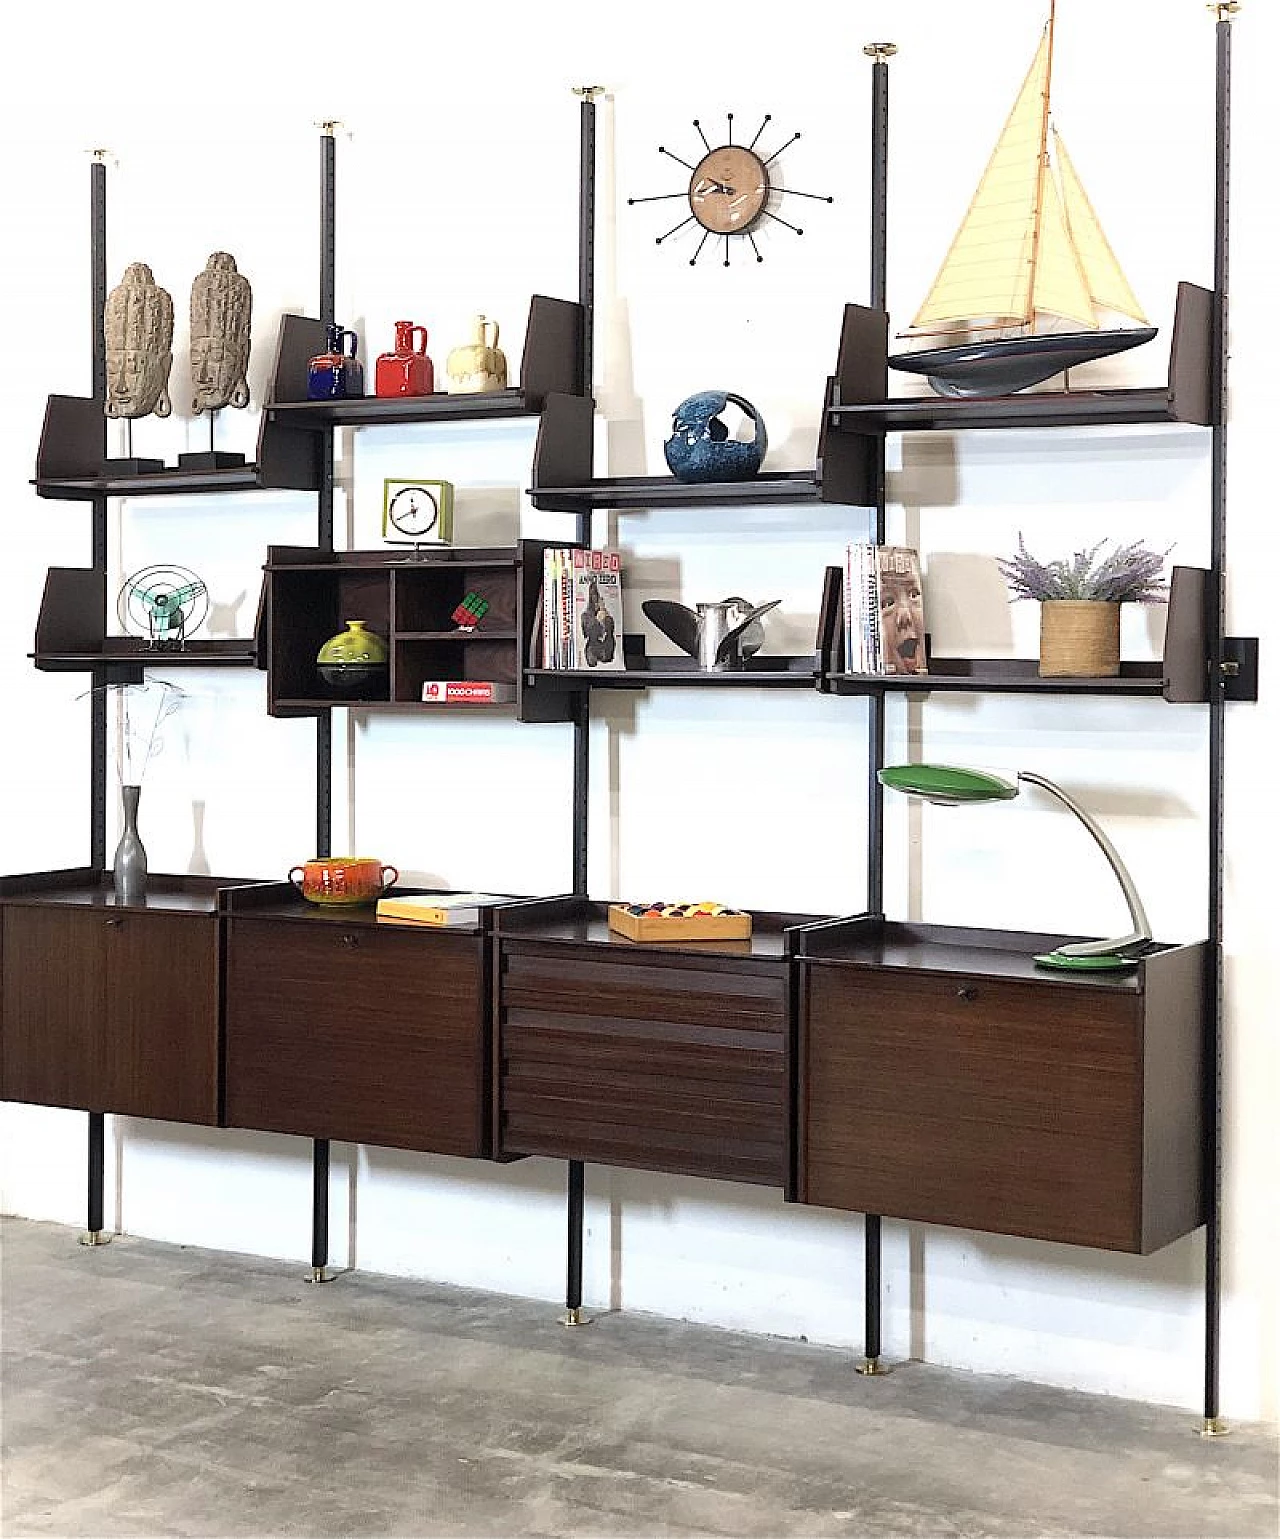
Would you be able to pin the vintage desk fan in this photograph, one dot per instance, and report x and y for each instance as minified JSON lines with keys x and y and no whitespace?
{"x":1029,"y":254}
{"x":162,"y":604}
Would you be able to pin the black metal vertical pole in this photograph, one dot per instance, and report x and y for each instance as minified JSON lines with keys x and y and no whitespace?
{"x":582,"y":707}
{"x":1217,"y":721}
{"x":879,"y":53}
{"x":319,"y":1208}
{"x":586,"y":298}
{"x":94,"y":1228}
{"x":573,"y":1285}
{"x":98,"y":357}
{"x":324,"y":722}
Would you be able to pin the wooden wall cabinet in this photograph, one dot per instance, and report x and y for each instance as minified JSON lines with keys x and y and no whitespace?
{"x":945,"y":1078}
{"x":311,"y":593}
{"x":108,"y":1007}
{"x":343,"y":1028}
{"x":662,"y":1057}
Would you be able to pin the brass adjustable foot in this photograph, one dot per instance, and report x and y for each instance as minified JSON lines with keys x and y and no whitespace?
{"x":871,"y":1366}
{"x":1214,"y":1427}
{"x":95,"y":1237}
{"x":318,"y":1275}
{"x":573,"y":1316}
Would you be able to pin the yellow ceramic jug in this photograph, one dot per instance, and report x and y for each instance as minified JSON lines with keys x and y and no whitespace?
{"x":479,"y":365}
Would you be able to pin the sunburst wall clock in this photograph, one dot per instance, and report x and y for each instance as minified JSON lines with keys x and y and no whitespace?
{"x":729,"y":191}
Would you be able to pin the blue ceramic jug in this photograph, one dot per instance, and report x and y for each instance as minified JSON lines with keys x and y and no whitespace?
{"x":336,"y":375}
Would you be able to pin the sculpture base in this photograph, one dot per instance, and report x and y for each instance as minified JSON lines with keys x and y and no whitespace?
{"x":133,"y":467}
{"x":211,"y":459}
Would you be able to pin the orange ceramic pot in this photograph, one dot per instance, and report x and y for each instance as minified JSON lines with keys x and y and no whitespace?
{"x":343,"y":879}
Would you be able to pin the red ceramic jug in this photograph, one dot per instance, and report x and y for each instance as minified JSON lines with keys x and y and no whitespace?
{"x":407,"y":371}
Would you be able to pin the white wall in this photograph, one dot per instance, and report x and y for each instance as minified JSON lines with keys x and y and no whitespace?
{"x":457,"y":191}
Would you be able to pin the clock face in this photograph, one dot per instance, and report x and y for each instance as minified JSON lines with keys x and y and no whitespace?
{"x":729,"y":193}
{"x":413,"y":511}
{"x":728,"y":189}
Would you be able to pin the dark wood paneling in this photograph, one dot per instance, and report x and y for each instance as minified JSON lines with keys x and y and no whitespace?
{"x":364,"y":1035}
{"x":111,"y":1011}
{"x":986,"y":1105}
{"x":1174,"y":1047}
{"x":53,"y":1008}
{"x":162,"y":976}
{"x":664,"y":1062}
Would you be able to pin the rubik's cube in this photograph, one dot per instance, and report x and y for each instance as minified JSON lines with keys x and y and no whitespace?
{"x":470,"y":612}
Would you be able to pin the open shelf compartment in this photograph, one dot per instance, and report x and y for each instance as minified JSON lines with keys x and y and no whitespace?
{"x":409,"y":602}
{"x":563,"y":481}
{"x":552,"y":361}
{"x":1180,"y":677}
{"x":71,"y":635}
{"x":861,"y":403}
{"x":71,"y":462}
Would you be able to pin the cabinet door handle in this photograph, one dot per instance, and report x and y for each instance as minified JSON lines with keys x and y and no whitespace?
{"x":966,"y":991}
{"x":350,"y":940}
{"x":113,"y":924}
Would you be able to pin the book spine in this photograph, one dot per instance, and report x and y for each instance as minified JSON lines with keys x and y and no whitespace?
{"x":871,"y":610}
{"x":467,"y":692}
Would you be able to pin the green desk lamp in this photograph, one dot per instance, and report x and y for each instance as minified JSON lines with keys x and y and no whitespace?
{"x":949,"y":786}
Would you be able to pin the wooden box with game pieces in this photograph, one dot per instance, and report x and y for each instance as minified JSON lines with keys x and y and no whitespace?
{"x":679,"y":921}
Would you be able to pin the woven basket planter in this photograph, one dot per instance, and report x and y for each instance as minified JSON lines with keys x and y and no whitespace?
{"x":1079,"y":639}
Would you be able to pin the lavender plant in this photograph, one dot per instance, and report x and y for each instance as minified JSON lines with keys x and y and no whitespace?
{"x":1130,"y":574}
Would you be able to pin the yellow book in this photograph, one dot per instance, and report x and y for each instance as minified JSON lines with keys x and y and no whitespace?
{"x":436,"y":909}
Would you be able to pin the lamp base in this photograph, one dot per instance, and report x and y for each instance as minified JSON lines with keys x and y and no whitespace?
{"x":1109,"y":962}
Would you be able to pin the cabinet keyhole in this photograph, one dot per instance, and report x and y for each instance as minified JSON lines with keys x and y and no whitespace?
{"x":966,"y":992}
{"x":114,"y":924}
{"x":350,"y":940}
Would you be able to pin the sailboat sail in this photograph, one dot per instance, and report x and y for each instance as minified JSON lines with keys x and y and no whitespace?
{"x":987,"y":273}
{"x":1108,"y":286}
{"x":1060,"y":285}
{"x":1029,"y":248}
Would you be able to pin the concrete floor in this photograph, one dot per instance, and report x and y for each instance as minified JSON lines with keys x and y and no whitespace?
{"x":149,"y":1389}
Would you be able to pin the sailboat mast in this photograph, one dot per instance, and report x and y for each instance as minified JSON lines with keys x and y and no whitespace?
{"x":1043,"y":168}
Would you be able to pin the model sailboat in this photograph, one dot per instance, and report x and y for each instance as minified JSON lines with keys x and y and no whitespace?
{"x":1029,"y":254}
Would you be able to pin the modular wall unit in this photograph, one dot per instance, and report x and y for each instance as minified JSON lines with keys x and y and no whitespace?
{"x":851,"y":1062}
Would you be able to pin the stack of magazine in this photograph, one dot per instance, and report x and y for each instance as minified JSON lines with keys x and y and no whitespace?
{"x":883,"y":610}
{"x":580,"y":621}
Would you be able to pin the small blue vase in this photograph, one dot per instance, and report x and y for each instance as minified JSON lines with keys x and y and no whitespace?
{"x":336,"y":375}
{"x":700,"y":448}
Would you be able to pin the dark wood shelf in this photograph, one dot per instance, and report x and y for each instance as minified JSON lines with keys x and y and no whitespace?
{"x":634,"y":493}
{"x":563,"y":481}
{"x":88,"y":887}
{"x":71,"y":635}
{"x":285,"y":705}
{"x":482,"y":633}
{"x":861,"y":405}
{"x":999,"y":676}
{"x":123,"y":652}
{"x":1180,"y":677}
{"x":551,"y":362}
{"x":373,"y":411}
{"x":645,"y":672}
{"x":160,"y":483}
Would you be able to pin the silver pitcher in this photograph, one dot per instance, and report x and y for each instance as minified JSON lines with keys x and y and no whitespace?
{"x":720,"y":635}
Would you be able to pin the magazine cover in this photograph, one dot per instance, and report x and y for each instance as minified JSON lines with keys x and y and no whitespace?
{"x":597,"y":609}
{"x":900,"y":611}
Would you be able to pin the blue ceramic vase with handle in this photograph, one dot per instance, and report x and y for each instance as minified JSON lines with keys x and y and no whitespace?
{"x":700,"y":448}
{"x":336,"y":374}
